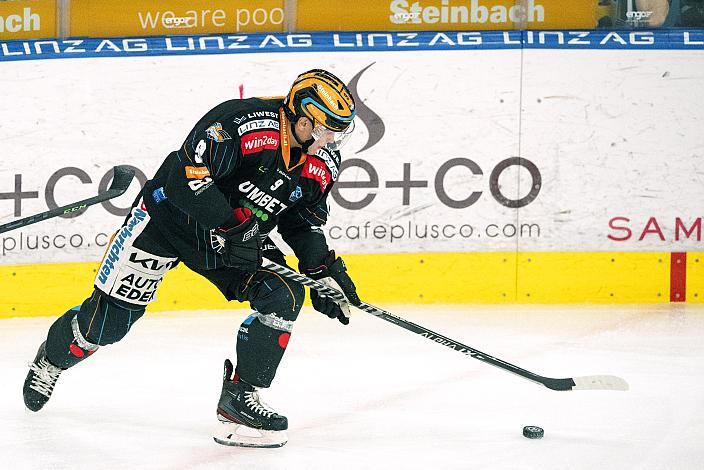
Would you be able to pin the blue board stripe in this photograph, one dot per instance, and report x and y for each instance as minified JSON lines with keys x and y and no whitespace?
{"x":679,"y":39}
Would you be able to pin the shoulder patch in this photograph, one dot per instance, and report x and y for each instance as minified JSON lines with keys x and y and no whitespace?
{"x":296,"y":194}
{"x":216,"y":133}
{"x":331,"y":159}
{"x":315,"y":169}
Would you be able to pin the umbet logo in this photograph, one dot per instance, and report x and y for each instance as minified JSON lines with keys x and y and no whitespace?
{"x":28,"y":21}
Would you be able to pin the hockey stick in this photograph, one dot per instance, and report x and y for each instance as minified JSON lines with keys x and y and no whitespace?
{"x":122,"y":177}
{"x":590,"y":382}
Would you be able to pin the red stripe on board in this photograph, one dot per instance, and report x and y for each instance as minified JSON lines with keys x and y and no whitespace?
{"x":678,"y":277}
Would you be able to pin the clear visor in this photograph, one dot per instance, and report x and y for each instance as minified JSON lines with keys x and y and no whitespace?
{"x":324,"y":137}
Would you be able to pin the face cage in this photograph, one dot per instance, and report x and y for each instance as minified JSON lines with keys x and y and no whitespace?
{"x":333,"y":140}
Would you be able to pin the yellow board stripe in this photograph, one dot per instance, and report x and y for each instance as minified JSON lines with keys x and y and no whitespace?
{"x":419,"y":278}
{"x":695,"y":277}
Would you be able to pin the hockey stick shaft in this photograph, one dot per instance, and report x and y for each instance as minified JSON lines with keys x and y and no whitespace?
{"x":601,"y":382}
{"x":122,"y":177}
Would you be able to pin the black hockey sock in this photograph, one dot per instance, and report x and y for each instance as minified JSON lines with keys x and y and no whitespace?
{"x":63,"y":348}
{"x":261,"y":347}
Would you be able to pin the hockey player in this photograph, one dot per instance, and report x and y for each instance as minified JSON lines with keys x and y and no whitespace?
{"x":247,"y":167}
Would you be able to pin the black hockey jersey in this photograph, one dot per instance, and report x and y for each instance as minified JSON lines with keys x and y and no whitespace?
{"x":238,"y":155}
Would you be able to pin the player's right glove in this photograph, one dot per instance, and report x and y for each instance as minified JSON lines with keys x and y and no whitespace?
{"x":241,"y":245}
{"x":333,"y":273}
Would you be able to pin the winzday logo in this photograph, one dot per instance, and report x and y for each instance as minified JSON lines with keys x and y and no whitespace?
{"x":258,"y":141}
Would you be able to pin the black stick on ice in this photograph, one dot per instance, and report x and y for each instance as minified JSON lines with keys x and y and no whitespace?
{"x":591,"y":382}
{"x":122,"y":177}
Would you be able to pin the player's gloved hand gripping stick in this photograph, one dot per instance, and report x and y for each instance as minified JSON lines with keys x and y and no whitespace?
{"x":333,"y":273}
{"x":241,"y":243}
{"x":591,"y":382}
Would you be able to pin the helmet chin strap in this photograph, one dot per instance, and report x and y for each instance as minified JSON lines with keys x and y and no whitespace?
{"x":305,"y":145}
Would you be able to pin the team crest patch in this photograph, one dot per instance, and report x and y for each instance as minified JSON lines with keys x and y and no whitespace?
{"x":296,"y":194}
{"x":216,"y":133}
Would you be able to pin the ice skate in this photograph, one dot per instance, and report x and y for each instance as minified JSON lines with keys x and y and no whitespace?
{"x":245,"y":420}
{"x":40,"y":381}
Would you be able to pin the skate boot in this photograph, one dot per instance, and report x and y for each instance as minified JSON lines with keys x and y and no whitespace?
{"x":246,"y":420}
{"x":40,"y":381}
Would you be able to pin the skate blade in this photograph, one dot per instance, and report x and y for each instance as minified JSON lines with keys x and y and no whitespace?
{"x":239,"y":435}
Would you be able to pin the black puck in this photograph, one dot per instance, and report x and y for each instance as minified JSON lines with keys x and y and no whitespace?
{"x":533,"y":432}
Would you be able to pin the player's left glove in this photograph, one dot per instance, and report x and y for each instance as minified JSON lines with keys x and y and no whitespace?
{"x":240,"y":245}
{"x":333,"y":273}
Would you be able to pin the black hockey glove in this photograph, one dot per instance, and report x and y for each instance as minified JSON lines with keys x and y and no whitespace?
{"x":333,"y":273}
{"x":241,"y":245}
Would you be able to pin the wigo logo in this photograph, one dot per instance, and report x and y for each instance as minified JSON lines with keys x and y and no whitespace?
{"x":28,"y":21}
{"x":258,"y":141}
{"x":316,"y":170}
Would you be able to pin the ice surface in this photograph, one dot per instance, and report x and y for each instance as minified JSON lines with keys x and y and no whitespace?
{"x":374,"y":396}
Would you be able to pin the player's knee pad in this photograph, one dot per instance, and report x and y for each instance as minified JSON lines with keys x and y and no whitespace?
{"x":275,"y":294}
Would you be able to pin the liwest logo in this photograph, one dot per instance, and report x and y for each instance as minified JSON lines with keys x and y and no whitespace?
{"x":258,"y":141}
{"x":28,"y":21}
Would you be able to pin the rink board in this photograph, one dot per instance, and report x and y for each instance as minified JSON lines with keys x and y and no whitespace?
{"x":422,"y":278}
{"x":562,"y":168}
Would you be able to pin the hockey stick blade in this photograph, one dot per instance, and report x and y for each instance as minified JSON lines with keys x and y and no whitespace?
{"x":122,"y":177}
{"x":593,"y":382}
{"x":587,"y":382}
{"x":600,"y":382}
